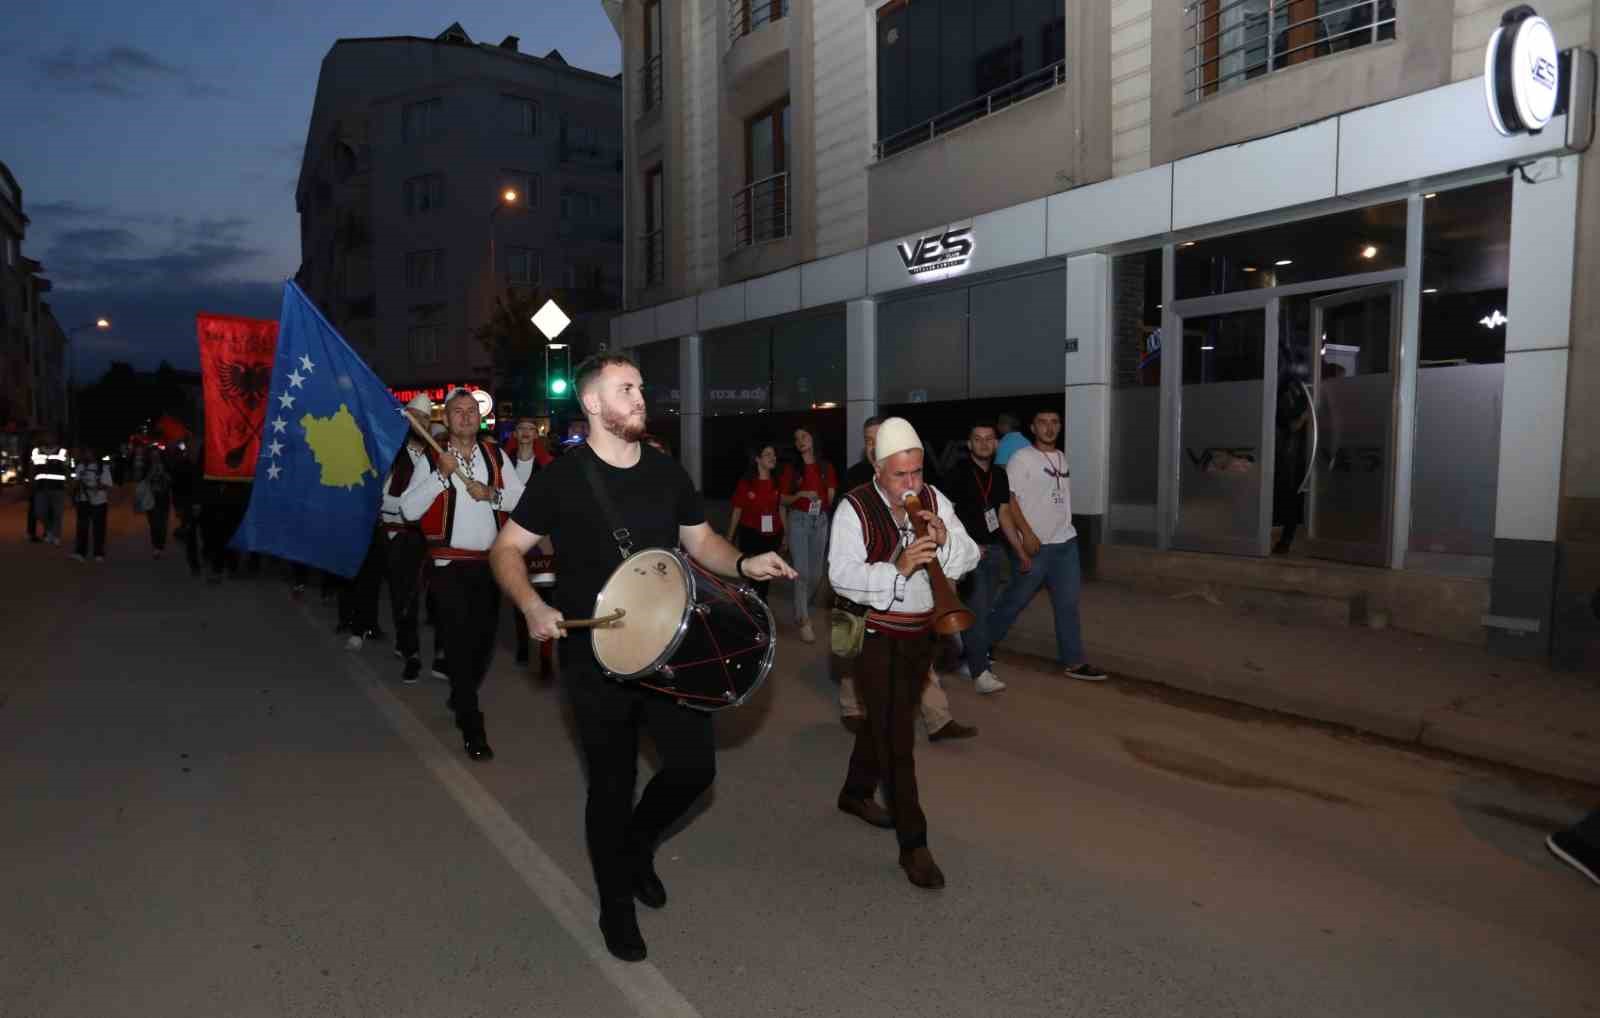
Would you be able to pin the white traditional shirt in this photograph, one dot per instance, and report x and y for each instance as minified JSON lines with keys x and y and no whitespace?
{"x":390,"y":511}
{"x":474,"y":526}
{"x":1040,"y":486}
{"x":879,"y":584}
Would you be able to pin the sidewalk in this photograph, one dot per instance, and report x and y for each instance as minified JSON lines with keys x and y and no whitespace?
{"x":1405,"y":687}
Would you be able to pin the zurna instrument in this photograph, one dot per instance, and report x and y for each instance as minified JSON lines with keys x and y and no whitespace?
{"x":950,"y":616}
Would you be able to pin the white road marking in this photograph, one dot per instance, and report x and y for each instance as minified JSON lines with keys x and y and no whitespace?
{"x":641,"y":982}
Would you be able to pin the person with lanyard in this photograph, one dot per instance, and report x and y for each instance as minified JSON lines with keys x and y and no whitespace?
{"x":756,"y":525}
{"x":404,"y":545}
{"x":528,"y":458}
{"x":876,"y":564}
{"x":1041,"y":492}
{"x":94,"y":484}
{"x":983,"y":501}
{"x":601,"y":501}
{"x":461,"y":505}
{"x":808,"y":489}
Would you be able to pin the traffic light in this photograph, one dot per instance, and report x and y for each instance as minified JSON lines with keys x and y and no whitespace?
{"x":558,"y":376}
{"x":558,"y":386}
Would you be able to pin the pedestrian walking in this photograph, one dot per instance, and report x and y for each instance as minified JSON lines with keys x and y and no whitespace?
{"x":154,"y":498}
{"x":808,"y":486}
{"x":185,"y":484}
{"x":982,"y":496}
{"x":1041,"y":491}
{"x":50,"y":465}
{"x":756,"y":524}
{"x":404,"y":554}
{"x":92,"y":495}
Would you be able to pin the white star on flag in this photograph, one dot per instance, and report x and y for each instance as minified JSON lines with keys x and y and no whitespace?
{"x":305,"y":362}
{"x":296,"y":379}
{"x":278,"y":424}
{"x":286,"y":401}
{"x":273,"y":470}
{"x":275,"y":448}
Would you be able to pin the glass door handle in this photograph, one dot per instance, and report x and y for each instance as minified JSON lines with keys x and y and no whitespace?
{"x":1311,"y":462}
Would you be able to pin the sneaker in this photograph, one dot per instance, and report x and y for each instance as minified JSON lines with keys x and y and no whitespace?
{"x":76,"y":557}
{"x":413,"y":670}
{"x":952,"y":729}
{"x":987,"y":683}
{"x":806,"y":633}
{"x":439,"y":670}
{"x":353,"y":642}
{"x":1087,"y":672}
{"x":1584,"y":858}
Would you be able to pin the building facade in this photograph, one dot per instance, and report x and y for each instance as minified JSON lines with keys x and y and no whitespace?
{"x":1267,"y":257}
{"x":32,"y":386}
{"x":407,"y":238}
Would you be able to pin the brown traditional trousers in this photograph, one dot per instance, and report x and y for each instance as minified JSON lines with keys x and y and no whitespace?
{"x":889,"y":676}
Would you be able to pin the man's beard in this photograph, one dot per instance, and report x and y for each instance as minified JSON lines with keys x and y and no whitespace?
{"x":622,"y":425}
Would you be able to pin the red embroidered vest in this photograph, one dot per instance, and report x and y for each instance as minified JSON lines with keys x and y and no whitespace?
{"x":438,"y":522}
{"x":878,"y":528}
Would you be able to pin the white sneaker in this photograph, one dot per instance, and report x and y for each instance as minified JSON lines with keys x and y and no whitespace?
{"x":987,"y":683}
{"x":806,"y":633}
{"x":353,"y":642}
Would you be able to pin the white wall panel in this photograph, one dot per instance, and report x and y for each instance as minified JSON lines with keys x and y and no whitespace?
{"x":777,"y":294}
{"x":885,"y":270}
{"x":1112,"y":211}
{"x":1088,"y":318}
{"x":1008,"y":236}
{"x":861,"y":351}
{"x":676,"y":318}
{"x":1284,"y":170}
{"x":1085,"y":440}
{"x":1544,"y":219}
{"x":830,"y":280}
{"x":722,"y":306}
{"x":1534,"y":406}
{"x":634,"y":328}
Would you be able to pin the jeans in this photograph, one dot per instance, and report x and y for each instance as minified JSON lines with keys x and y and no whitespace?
{"x":808,"y":551}
{"x":983,"y":583}
{"x":1055,"y":567}
{"x":48,"y":505}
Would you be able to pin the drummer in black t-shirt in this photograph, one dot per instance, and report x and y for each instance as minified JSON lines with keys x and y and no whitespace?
{"x":658,"y":506}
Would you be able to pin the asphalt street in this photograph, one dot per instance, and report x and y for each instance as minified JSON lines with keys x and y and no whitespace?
{"x":211,"y":808}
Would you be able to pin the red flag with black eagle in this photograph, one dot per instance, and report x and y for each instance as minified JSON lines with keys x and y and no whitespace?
{"x":236,"y":371}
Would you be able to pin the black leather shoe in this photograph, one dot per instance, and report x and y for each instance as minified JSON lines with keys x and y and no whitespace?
{"x":866,"y":809}
{"x":647,"y":887}
{"x":479,"y":749}
{"x":620,"y":927}
{"x":952,"y":729}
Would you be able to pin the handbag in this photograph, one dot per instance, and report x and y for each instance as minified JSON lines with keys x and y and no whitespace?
{"x":144,"y":499}
{"x":847,"y":627}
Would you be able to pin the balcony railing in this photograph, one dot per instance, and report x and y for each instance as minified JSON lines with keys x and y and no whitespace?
{"x":652,"y":255}
{"x":650,"y":84}
{"x":745,"y":16}
{"x":1045,"y":78}
{"x":761,"y":211}
{"x":1228,"y":42}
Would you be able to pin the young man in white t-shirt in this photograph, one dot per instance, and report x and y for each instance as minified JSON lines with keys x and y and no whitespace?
{"x":1041,"y":495}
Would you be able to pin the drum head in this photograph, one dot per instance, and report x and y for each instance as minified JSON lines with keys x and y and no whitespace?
{"x":653,"y":586}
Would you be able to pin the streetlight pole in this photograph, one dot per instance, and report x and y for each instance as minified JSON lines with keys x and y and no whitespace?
{"x":508,"y":198}
{"x":73,"y":414}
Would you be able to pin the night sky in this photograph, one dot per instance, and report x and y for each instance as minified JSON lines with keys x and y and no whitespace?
{"x":158,"y":144}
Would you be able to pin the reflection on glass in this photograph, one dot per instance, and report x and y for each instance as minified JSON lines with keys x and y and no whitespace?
{"x":1135,"y":399}
{"x":1219,"y":459}
{"x":1347,"y":243}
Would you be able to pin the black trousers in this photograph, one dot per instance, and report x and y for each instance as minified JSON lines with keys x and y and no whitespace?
{"x":358,"y":601}
{"x":468,"y":601}
{"x":889,"y":676}
{"x":158,"y":515}
{"x":218,"y":521}
{"x":403,"y":553}
{"x":609,"y":716}
{"x":189,"y":525}
{"x":753,"y":542}
{"x":91,"y":517}
{"x":33,"y":519}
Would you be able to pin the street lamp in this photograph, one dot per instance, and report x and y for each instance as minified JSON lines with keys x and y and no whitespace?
{"x":102,"y":324}
{"x":508,"y":199}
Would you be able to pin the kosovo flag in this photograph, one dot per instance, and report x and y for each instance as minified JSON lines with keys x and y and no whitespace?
{"x":332,"y":429}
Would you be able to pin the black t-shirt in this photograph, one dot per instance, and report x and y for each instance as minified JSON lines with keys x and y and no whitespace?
{"x":973,"y":491}
{"x":860,"y":473}
{"x":654,"y":497}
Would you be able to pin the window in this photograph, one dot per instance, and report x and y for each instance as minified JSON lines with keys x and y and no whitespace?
{"x":423,"y":120}
{"x":425,"y":343}
{"x":524,"y":183}
{"x":745,"y":16}
{"x":944,"y":63}
{"x":424,"y":194}
{"x":650,"y":72}
{"x":653,"y":241}
{"x":519,"y":115}
{"x":424,"y":269}
{"x":522,"y":266}
{"x":761,"y":207}
{"x":1228,"y":42}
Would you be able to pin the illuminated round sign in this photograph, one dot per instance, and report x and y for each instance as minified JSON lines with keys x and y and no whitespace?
{"x":1521,"y":73}
{"x":485,"y":403}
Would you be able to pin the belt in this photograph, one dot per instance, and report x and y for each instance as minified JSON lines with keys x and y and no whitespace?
{"x":898,"y":625}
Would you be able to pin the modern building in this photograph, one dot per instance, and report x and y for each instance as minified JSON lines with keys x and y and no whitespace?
{"x":32,"y":389}
{"x":407,"y":236}
{"x":1268,"y":258}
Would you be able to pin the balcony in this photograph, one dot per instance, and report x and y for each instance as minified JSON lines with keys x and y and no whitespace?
{"x":761,"y":211}
{"x":1229,"y":42}
{"x":1029,"y":85}
{"x":650,"y":84}
{"x":653,"y":255}
{"x":745,"y":16}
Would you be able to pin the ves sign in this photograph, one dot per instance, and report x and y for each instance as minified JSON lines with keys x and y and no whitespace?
{"x":938,"y":255}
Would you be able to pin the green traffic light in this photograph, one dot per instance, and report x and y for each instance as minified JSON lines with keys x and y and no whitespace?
{"x":558,"y":386}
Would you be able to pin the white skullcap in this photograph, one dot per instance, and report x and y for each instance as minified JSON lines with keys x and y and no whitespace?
{"x":895,"y":435}
{"x":421,"y":404}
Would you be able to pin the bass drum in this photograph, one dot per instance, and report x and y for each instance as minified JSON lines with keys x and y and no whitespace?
{"x":688,"y":634}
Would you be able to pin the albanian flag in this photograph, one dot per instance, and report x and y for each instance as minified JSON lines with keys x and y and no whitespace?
{"x":236,"y":372}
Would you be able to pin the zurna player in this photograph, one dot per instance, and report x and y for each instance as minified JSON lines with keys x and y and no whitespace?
{"x":654,"y":501}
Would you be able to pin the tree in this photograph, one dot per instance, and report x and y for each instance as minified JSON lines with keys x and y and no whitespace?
{"x":516,"y":346}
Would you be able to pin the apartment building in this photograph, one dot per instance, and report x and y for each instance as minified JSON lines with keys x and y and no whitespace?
{"x":1269,"y":258}
{"x":408,"y":235}
{"x":32,"y":386}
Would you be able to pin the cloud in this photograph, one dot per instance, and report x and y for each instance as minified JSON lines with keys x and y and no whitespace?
{"x":149,"y":326}
{"x":120,"y":72}
{"x":102,"y":238}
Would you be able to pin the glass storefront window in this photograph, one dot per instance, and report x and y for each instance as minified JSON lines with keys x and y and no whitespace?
{"x":658,"y":364}
{"x":1344,"y":244}
{"x":1135,"y":398}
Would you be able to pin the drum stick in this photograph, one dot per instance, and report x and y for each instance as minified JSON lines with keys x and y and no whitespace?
{"x":600,"y":623}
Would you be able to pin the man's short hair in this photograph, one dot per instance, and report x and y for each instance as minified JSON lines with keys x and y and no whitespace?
{"x":1046,"y":410}
{"x":590,"y":367}
{"x":457,"y":394}
{"x":982,"y":422}
{"x":871,"y":422}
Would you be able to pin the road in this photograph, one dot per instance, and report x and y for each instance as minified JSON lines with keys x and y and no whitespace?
{"x":211,"y":808}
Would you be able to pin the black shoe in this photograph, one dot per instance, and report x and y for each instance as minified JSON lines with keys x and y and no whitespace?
{"x":1087,"y":672}
{"x":620,"y":927}
{"x":952,"y":729}
{"x":1575,"y":853}
{"x":647,"y":887}
{"x":412,"y":671}
{"x":478,"y":748}
{"x":522,"y":655}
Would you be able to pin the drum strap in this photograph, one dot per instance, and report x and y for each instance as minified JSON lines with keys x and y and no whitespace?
{"x":619,"y":533}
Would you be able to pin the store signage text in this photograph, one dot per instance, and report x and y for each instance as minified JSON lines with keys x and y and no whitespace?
{"x":1521,"y":73}
{"x":938,"y":255}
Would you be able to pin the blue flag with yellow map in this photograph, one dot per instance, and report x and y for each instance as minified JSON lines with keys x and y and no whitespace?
{"x":330,"y":434}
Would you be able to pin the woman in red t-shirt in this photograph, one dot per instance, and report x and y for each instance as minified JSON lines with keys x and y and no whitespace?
{"x":808,"y":487}
{"x":757,"y":518}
